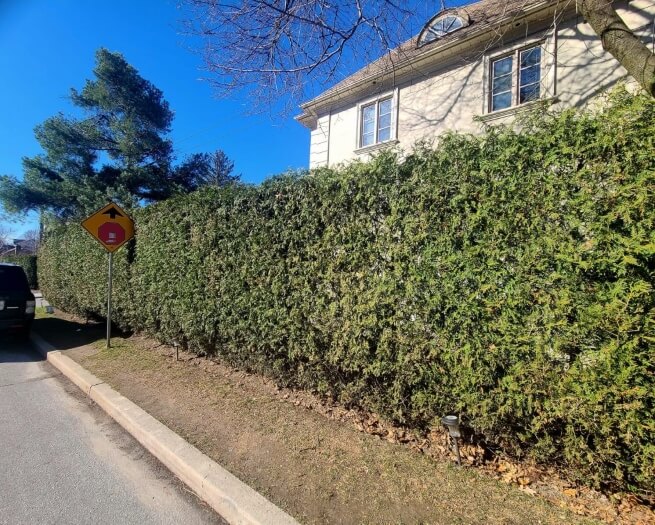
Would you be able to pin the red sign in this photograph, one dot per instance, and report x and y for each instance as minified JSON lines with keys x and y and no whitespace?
{"x":111,"y":233}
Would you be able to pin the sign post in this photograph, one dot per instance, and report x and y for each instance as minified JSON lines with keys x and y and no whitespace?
{"x":111,"y":261}
{"x":112,"y":228}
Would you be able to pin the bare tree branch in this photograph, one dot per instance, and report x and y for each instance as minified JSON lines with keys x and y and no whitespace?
{"x":292,"y":49}
{"x":5,"y":235}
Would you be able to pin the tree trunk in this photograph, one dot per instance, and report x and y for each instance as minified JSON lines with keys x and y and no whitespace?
{"x":620,"y":41}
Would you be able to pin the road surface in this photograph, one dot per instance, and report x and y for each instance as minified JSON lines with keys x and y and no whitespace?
{"x":63,"y":460}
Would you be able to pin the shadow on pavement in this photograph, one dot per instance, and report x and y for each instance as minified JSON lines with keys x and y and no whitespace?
{"x":13,"y":350}
{"x":64,"y":334}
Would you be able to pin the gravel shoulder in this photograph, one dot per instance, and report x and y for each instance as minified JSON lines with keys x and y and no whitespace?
{"x":318,"y":468}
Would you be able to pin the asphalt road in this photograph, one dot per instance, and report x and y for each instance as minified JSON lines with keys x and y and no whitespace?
{"x":63,"y":460}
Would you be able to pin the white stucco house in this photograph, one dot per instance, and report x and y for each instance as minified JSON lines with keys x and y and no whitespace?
{"x":469,"y":66}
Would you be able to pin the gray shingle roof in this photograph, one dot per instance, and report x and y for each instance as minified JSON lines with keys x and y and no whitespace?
{"x":484,"y":16}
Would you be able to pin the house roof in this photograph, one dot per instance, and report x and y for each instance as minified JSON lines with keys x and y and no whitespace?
{"x":484,"y":16}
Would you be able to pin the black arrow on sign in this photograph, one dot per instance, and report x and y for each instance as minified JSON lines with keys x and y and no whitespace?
{"x":113,"y":213}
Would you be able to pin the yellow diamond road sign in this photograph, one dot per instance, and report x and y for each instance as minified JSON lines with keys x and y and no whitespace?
{"x":111,"y":226}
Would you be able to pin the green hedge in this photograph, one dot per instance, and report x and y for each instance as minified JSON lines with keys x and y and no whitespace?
{"x":29,"y":264}
{"x":506,"y":277}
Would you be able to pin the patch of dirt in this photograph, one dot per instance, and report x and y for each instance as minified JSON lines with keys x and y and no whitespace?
{"x":325,"y":463}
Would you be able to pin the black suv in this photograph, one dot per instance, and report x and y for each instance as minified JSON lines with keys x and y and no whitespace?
{"x":17,"y":302}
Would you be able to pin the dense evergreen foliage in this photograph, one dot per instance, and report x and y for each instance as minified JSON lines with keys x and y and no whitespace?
{"x":117,"y":147}
{"x":506,"y":277}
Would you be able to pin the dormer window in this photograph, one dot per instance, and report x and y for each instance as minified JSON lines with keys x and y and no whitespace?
{"x":440,"y":26}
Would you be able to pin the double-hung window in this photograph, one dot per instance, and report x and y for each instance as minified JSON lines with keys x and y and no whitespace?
{"x":516,"y":78}
{"x":376,"y":122}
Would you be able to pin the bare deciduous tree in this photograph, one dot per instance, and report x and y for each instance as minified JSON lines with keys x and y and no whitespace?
{"x":5,"y":235}
{"x":289,"y":47}
{"x":275,"y":47}
{"x":33,"y":237}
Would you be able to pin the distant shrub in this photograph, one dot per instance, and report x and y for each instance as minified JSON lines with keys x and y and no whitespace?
{"x":29,"y":264}
{"x":507,"y":277}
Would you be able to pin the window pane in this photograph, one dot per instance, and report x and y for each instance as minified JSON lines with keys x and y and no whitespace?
{"x":368,"y":125}
{"x":385,"y":106}
{"x":502,"y":101}
{"x":367,"y":139}
{"x":502,"y":67}
{"x":530,"y":75}
{"x":529,"y":92}
{"x":502,"y":84}
{"x":438,"y":28}
{"x":368,"y":113}
{"x":384,"y":121}
{"x":441,"y":27}
{"x":384,"y":134}
{"x":530,"y":57}
{"x":452,"y":23}
{"x":12,"y":279}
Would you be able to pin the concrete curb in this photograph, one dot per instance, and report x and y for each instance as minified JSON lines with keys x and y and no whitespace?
{"x":235,"y":501}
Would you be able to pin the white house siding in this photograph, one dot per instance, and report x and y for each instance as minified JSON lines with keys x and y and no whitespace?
{"x":343,"y":141}
{"x":584,"y":69}
{"x":446,"y":100}
{"x":319,"y":154}
{"x":451,"y":96}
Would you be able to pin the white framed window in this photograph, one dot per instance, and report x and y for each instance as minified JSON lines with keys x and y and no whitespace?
{"x":377,"y":121}
{"x":516,"y":78}
{"x":441,"y":25}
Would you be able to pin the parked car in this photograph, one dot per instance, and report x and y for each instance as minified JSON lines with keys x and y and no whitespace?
{"x":17,"y":302}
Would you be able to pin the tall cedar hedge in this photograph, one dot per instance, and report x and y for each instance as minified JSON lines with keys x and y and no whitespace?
{"x":28,"y":262}
{"x":506,"y":277}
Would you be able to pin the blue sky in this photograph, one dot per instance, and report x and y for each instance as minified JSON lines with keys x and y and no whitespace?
{"x":48,"y":46}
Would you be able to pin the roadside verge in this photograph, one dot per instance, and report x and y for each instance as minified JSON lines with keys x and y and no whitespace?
{"x":319,"y":461}
{"x":226,"y":494}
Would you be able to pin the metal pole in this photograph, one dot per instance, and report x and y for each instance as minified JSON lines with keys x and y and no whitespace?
{"x":111,"y":260}
{"x":456,"y":445}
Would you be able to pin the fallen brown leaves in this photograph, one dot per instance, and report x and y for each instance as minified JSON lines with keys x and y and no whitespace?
{"x":619,"y":509}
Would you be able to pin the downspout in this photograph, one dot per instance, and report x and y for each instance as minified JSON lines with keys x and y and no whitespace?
{"x":327,"y":160}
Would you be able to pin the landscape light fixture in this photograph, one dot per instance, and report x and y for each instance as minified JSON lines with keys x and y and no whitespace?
{"x":452,"y":424}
